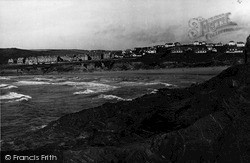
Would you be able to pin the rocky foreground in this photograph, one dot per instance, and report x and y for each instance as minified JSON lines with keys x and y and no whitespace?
{"x":208,"y":122}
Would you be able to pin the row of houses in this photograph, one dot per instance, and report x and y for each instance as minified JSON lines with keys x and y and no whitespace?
{"x":203,"y":47}
{"x":55,"y":59}
{"x":230,"y":43}
{"x":206,"y":49}
{"x":33,"y":60}
{"x":195,"y":47}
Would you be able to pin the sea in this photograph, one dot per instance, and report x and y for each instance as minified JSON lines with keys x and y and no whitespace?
{"x":30,"y":102}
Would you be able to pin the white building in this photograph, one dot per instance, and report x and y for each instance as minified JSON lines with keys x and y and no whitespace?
{"x":167,"y":45}
{"x":231,"y":43}
{"x":151,"y":51}
{"x":210,"y":46}
{"x":201,"y":50}
{"x":196,"y":43}
{"x":10,"y":61}
{"x":177,"y":50}
{"x":219,"y":44}
{"x":203,"y":43}
{"x":20,"y":60}
{"x":240,"y":44}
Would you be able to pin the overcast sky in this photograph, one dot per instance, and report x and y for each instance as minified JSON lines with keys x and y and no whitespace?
{"x":110,"y":24}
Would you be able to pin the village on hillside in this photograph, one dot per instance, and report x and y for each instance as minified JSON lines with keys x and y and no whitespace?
{"x":173,"y":48}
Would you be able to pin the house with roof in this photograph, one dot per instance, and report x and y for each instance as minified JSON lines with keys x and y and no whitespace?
{"x":48,"y":59}
{"x":95,"y":56}
{"x":107,"y":55}
{"x":151,"y":51}
{"x":40,"y":59}
{"x":20,"y":60}
{"x":10,"y":61}
{"x":240,"y":44}
{"x":218,"y":44}
{"x":83,"y":57}
{"x":196,"y":43}
{"x":167,"y":45}
{"x":201,"y":50}
{"x":231,"y":43}
{"x":28,"y":61}
{"x":177,"y":50}
{"x":66,"y":58}
{"x":53,"y":59}
{"x":210,"y":46}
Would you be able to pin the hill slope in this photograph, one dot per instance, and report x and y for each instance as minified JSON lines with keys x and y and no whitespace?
{"x":5,"y":54}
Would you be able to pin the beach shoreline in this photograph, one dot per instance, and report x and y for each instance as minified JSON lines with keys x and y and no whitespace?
{"x":178,"y":70}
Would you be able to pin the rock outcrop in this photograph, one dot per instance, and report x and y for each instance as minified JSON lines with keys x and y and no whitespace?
{"x":208,"y":122}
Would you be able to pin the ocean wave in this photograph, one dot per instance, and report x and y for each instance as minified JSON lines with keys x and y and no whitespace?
{"x":7,"y":86}
{"x":153,"y":91}
{"x":30,"y":82}
{"x":44,"y":79}
{"x":33,"y":128}
{"x":4,"y":78}
{"x":132,"y":83}
{"x":146,"y":84}
{"x":83,"y":87}
{"x":87,"y":91}
{"x":49,"y":79}
{"x":111,"y":97}
{"x":15,"y":97}
{"x":40,"y":81}
{"x":72,"y":83}
{"x":96,"y":87}
{"x":20,"y":99}
{"x":162,"y":83}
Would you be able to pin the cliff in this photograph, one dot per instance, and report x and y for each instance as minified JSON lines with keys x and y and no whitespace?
{"x":208,"y":122}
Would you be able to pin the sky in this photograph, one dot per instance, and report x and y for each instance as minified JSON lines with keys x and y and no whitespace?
{"x":111,"y":24}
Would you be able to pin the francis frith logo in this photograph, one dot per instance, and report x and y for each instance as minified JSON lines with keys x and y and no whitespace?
{"x":209,"y":28}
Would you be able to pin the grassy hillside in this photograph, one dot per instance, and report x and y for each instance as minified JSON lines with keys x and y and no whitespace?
{"x":5,"y":54}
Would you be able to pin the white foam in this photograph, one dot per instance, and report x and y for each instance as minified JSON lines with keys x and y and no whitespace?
{"x":15,"y":97}
{"x":146,"y":84}
{"x":87,"y":91}
{"x":168,"y":85}
{"x":66,"y":83}
{"x":96,"y":87}
{"x":29,"y":82}
{"x":111,"y":97}
{"x":3,"y":85}
{"x":90,"y":84}
{"x":132,"y":83}
{"x":105,"y":81}
{"x":88,"y":87}
{"x":49,"y":79}
{"x":156,"y":83}
{"x":43,"y":79}
{"x":7,"y":86}
{"x":38,"y":127}
{"x":154,"y":91}
{"x":20,"y":99}
{"x":4,"y":78}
